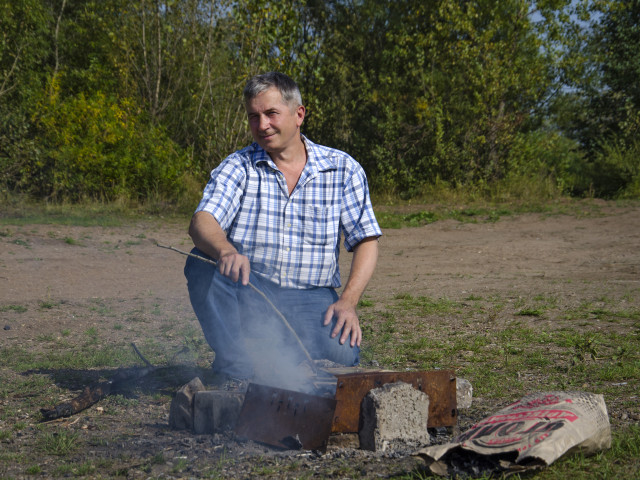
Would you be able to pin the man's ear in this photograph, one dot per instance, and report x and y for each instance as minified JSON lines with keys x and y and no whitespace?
{"x":300,"y":113}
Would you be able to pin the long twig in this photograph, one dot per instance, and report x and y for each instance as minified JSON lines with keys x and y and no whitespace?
{"x":259,"y":292}
{"x":94,"y":394}
{"x":135,"y":349}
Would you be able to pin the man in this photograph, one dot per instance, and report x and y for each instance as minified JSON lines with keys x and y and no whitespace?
{"x":273,"y":214}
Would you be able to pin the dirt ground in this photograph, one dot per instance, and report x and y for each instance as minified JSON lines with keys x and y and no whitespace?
{"x":61,"y":285}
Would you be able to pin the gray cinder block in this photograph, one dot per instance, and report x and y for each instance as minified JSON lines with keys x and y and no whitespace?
{"x":393,"y":415}
{"x":181,"y":410}
{"x":216,"y":410}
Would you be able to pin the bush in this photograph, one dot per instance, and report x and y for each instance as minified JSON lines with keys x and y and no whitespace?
{"x":615,"y":169}
{"x":547,"y":158}
{"x":101,"y":147}
{"x":18,"y":149}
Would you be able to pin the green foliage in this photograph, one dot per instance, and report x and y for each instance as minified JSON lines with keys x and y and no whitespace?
{"x":615,"y":170}
{"x":444,"y":103}
{"x":23,"y":24}
{"x":101,"y":147}
{"x":135,"y":100}
{"x":23,"y":48}
{"x":547,"y":156}
{"x":603,"y":110}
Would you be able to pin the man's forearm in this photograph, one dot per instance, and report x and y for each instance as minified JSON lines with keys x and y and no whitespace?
{"x":365,"y":257}
{"x":208,"y":236}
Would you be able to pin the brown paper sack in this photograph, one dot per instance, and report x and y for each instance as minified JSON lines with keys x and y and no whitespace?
{"x":529,"y":434}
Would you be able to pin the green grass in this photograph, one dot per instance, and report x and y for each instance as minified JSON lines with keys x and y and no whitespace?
{"x":33,"y":470}
{"x":531,"y":312}
{"x":47,"y":304}
{"x":21,"y":242}
{"x":180,"y":465}
{"x":86,"y":356}
{"x":392,"y":213}
{"x":395,"y":220}
{"x":496,"y":357}
{"x":19,"y":211}
{"x":73,"y":241}
{"x":621,"y":461}
{"x":59,"y":443}
{"x":13,"y":308}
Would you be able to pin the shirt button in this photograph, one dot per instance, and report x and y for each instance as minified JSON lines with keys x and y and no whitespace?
{"x":288,"y":225}
{"x":287,"y":249}
{"x":284,"y":275}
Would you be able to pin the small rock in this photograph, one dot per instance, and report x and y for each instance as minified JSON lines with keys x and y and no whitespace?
{"x":7,"y":327}
{"x":464,"y":393}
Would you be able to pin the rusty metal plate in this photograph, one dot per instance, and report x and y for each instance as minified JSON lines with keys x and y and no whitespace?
{"x":351,"y":389}
{"x":286,"y":419}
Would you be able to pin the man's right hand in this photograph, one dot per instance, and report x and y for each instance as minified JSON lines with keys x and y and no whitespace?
{"x":212,"y":240}
{"x":235,"y":266}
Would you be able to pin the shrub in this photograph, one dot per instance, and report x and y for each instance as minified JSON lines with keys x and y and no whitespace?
{"x":101,"y":147}
{"x":547,"y":158}
{"x":615,"y":169}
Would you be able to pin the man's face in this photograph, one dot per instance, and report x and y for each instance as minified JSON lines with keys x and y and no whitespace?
{"x":274,"y":125}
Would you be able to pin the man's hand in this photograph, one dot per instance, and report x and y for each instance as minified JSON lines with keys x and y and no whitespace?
{"x":235,"y":266}
{"x":346,"y":320}
{"x":365,"y":255}
{"x":209,"y":237}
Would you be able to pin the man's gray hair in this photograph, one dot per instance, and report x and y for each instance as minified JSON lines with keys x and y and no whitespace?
{"x":285,"y":85}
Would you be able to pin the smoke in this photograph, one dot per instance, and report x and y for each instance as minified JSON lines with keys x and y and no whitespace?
{"x":276,"y":355}
{"x":279,"y":365}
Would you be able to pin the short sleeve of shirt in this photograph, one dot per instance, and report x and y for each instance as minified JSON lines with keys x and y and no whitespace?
{"x":357,"y":218}
{"x":223,"y":193}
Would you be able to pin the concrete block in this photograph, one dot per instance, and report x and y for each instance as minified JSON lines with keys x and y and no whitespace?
{"x":216,"y":410}
{"x":394,"y":415}
{"x":181,"y":410}
{"x":464,"y":393}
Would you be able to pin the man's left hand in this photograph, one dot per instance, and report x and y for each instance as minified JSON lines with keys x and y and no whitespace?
{"x":346,"y":321}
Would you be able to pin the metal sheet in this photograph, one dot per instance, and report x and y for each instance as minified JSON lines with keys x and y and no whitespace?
{"x":286,"y":419}
{"x":351,"y":389}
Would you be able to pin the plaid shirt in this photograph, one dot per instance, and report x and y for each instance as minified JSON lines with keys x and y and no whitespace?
{"x":294,"y":241}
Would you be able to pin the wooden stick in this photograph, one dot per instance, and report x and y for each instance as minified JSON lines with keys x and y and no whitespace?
{"x":135,"y":349}
{"x":94,"y":394}
{"x":275,"y":309}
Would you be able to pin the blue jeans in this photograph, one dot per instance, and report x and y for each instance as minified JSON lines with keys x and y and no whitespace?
{"x":245,"y":332}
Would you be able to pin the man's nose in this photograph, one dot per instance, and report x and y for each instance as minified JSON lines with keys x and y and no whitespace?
{"x":263,"y":123}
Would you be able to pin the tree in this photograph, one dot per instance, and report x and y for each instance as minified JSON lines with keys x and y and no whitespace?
{"x":426,"y":90}
{"x":602,"y":111}
{"x":23,"y":48}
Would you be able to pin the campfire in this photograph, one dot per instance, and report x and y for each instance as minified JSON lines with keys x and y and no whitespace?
{"x":292,"y":419}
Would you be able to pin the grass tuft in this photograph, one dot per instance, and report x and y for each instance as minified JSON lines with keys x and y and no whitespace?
{"x":59,"y":443}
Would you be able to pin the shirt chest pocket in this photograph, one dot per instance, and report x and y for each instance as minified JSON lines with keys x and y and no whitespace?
{"x":317,"y":225}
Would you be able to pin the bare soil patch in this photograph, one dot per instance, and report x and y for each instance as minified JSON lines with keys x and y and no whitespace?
{"x":96,"y":289}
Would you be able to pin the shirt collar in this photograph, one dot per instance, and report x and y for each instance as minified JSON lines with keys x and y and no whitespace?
{"x":316,"y":160}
